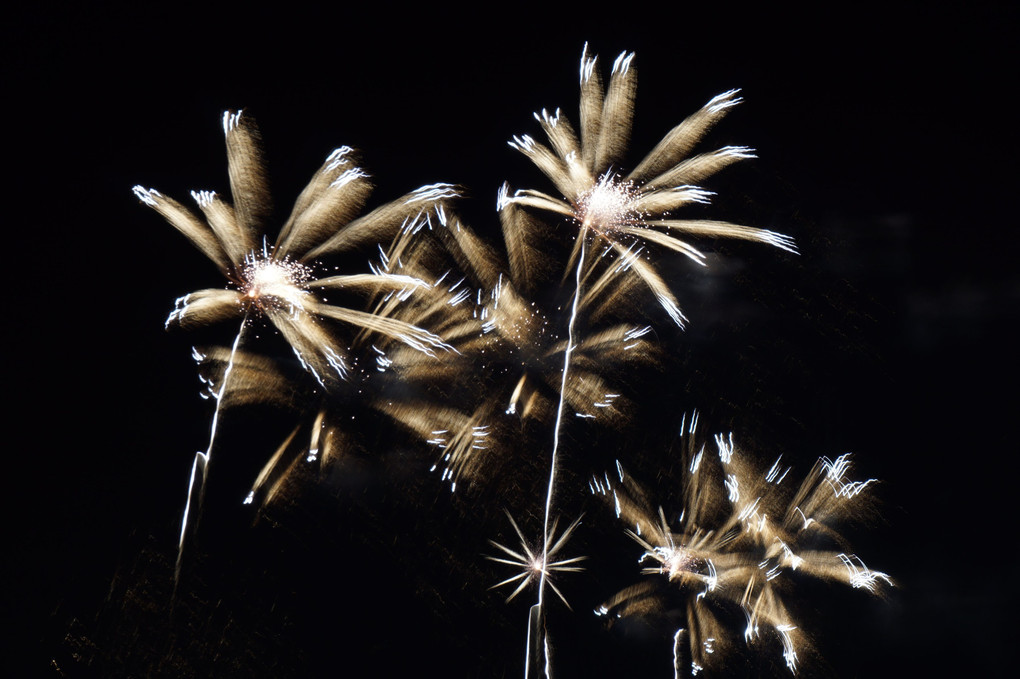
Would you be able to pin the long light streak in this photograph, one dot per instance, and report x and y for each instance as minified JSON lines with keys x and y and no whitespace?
{"x":202,"y":458}
{"x":556,"y":433}
{"x":677,"y":653}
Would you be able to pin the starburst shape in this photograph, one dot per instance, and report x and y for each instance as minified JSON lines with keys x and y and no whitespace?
{"x":626,"y":211}
{"x":279,"y":281}
{"x":533,"y":564}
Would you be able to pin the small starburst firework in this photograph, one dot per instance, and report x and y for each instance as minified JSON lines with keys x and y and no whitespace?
{"x":740,"y":543}
{"x":627,"y":210}
{"x":532,"y":564}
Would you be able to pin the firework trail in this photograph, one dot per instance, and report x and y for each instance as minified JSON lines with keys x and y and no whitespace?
{"x":201,"y":461}
{"x":740,"y":541}
{"x":275,"y":282}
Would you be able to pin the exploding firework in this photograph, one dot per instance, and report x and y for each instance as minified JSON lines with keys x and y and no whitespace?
{"x":624,"y":211}
{"x":277,"y":282}
{"x":740,"y":543}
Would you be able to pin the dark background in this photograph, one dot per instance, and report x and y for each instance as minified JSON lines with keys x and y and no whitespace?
{"x":884,"y":150}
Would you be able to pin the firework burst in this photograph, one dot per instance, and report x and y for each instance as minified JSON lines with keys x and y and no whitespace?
{"x":277,"y":281}
{"x":739,"y":544}
{"x":507,"y":367}
{"x":526,"y":346}
{"x":625,"y":211}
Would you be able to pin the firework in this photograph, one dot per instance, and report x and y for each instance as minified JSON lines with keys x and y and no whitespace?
{"x":537,"y":563}
{"x":276,"y":281}
{"x":740,"y":543}
{"x":461,"y":347}
{"x":624,"y":211}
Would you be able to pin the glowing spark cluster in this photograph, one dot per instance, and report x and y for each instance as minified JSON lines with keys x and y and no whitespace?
{"x":277,"y":283}
{"x":674,"y":560}
{"x":608,"y":206}
{"x":275,"y":279}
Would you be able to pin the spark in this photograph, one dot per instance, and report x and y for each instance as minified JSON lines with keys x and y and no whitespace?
{"x":677,"y":653}
{"x":789,"y":653}
{"x":860,"y":575}
{"x":774,"y":471}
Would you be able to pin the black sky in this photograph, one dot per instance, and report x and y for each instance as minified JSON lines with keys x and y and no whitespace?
{"x":886,"y":145}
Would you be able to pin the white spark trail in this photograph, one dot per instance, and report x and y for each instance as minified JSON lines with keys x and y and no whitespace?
{"x":203,"y":458}
{"x":677,"y":652}
{"x":534,"y":623}
{"x":559,"y":420}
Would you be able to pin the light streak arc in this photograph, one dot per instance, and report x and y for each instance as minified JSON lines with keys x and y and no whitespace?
{"x":203,"y":458}
{"x":556,"y":433}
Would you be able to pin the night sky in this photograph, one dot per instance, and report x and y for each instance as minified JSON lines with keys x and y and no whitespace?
{"x":883,"y":149}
